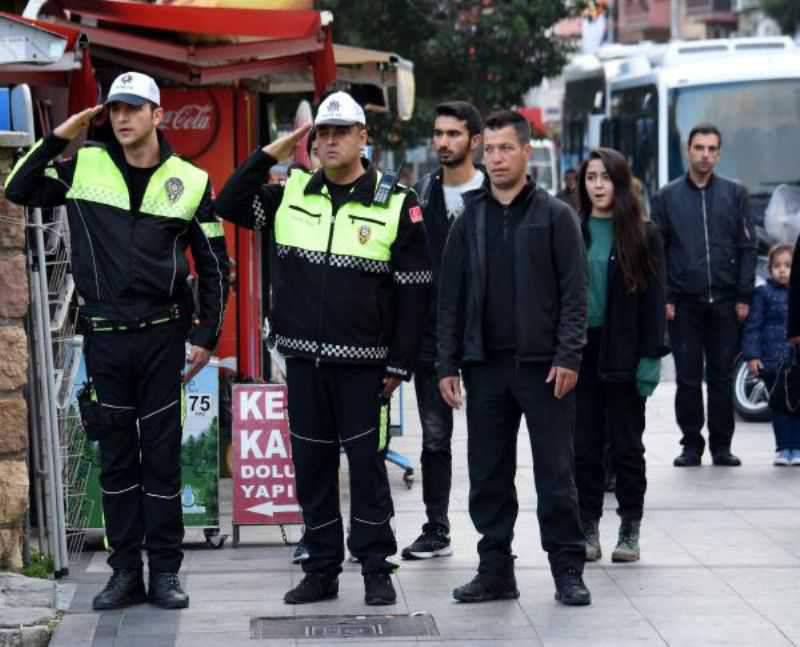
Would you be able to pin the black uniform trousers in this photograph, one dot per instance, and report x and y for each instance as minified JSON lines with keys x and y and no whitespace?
{"x":707,"y":331}
{"x":436,"y":460}
{"x":137,"y":377}
{"x":499,"y":391}
{"x":333,"y":406}
{"x":612,"y":411}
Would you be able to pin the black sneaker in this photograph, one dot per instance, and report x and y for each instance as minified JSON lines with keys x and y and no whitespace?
{"x":313,"y":588}
{"x":688,"y":458}
{"x":428,"y":545}
{"x":165,"y":591}
{"x":726,"y":459}
{"x":123,"y":589}
{"x":300,"y":553}
{"x":570,"y":589}
{"x":484,"y":588}
{"x":378,"y":589}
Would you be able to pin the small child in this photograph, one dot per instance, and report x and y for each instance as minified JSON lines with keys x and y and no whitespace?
{"x":765,"y":346}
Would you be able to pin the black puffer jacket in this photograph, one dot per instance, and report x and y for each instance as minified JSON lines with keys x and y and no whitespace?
{"x":709,"y":241}
{"x":550,"y":285}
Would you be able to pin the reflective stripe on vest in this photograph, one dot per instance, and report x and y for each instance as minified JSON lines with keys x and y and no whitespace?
{"x":174,"y":190}
{"x":362,"y":235}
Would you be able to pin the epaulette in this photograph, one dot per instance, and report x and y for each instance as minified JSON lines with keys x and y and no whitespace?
{"x":385,"y":188}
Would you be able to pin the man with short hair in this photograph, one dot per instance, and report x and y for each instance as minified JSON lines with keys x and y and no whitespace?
{"x":711,"y":251}
{"x":350,"y":286}
{"x":569,"y":194}
{"x":133,"y":208}
{"x":456,"y":136}
{"x":512,"y":321}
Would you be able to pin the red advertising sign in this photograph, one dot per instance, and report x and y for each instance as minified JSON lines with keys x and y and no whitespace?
{"x":191,"y":121}
{"x":264,"y":491}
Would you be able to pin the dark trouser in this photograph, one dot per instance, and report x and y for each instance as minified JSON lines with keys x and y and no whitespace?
{"x":498,"y":393}
{"x":614,"y":411}
{"x":786,"y":427}
{"x":137,"y":375}
{"x":331,"y":405}
{"x":437,"y":462}
{"x":709,"y":330}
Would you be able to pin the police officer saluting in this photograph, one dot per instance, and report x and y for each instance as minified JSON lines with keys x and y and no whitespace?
{"x":134,"y":207}
{"x":351,"y":277}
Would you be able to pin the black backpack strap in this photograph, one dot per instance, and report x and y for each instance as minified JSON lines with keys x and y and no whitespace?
{"x":425,"y":190}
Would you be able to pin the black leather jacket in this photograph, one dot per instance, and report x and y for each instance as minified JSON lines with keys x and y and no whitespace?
{"x":550,"y":278}
{"x":709,"y":242}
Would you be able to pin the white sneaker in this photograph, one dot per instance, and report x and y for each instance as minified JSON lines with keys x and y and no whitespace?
{"x":785,"y":457}
{"x":795,"y":460}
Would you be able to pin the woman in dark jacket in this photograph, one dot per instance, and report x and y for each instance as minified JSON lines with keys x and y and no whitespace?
{"x":621,"y":361}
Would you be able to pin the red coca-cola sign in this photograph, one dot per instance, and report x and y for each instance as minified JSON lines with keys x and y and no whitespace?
{"x":191,"y":120}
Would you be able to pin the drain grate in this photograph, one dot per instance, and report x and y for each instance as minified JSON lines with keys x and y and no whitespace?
{"x":391,"y":626}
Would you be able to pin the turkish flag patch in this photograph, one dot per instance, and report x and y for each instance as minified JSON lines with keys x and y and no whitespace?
{"x":415,"y":213}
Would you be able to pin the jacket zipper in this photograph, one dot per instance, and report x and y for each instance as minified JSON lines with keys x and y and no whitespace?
{"x":377,"y":222}
{"x":308,"y":213}
{"x":324,"y":281}
{"x":708,"y":248}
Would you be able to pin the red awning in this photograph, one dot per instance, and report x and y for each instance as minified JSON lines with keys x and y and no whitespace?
{"x":167,"y":40}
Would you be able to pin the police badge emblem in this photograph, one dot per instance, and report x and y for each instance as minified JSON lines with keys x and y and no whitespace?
{"x":364,"y":233}
{"x":174,"y":188}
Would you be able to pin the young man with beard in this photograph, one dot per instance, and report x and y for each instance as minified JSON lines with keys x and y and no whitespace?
{"x":133,"y":208}
{"x":456,"y":136}
{"x":350,"y":286}
{"x":512,"y":322}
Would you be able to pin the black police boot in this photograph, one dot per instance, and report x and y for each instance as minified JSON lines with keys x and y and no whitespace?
{"x":570,"y":589}
{"x":313,"y":588}
{"x":124,"y":588}
{"x":724,"y":458}
{"x":484,"y":588}
{"x":165,"y":591}
{"x":689,"y":457}
{"x":378,"y":589}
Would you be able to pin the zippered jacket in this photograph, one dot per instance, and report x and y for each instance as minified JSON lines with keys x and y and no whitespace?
{"x":764,"y":336}
{"x":131,"y":265}
{"x":348,"y":286}
{"x":709,"y":241}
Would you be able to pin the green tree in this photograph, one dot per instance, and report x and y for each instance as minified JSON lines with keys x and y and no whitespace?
{"x":487,"y":52}
{"x":785,"y":12}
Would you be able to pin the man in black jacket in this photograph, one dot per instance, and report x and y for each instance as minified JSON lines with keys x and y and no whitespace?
{"x":711,"y":250}
{"x":456,"y":136}
{"x":133,"y":208}
{"x":512,"y":320}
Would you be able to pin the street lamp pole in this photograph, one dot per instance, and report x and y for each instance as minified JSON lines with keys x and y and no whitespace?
{"x":675,"y":21}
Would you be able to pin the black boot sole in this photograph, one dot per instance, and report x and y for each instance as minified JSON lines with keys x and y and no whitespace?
{"x":573,"y":602}
{"x":503,"y":595}
{"x":130,"y":601}
{"x":169,"y":604}
{"x":379,"y":602}
{"x":328,"y":596}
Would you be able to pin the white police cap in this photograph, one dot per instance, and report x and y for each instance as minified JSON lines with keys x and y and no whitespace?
{"x":135,"y":89}
{"x":340,"y":109}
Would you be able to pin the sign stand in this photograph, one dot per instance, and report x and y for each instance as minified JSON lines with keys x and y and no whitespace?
{"x":264,"y":490}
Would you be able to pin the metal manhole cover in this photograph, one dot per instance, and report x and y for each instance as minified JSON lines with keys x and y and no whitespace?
{"x":390,"y":626}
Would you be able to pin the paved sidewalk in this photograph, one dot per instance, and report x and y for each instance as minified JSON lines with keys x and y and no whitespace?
{"x":720,"y":566}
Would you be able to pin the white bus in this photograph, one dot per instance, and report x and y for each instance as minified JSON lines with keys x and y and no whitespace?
{"x":749,"y":88}
{"x":585,"y":103}
{"x":543,"y":165}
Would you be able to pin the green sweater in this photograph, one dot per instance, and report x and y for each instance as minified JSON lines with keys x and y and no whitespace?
{"x":648,"y":373}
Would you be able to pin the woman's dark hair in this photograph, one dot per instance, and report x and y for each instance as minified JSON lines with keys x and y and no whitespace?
{"x":630,"y":237}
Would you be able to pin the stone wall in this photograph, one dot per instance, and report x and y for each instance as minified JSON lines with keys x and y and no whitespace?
{"x":13,"y":367}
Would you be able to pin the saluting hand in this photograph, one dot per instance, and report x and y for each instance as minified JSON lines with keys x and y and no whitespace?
{"x":282,"y":148}
{"x":73,"y":126}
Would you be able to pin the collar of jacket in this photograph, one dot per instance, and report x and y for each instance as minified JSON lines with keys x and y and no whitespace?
{"x":164,"y":151}
{"x":485,"y":193}
{"x":438,"y":174}
{"x":363,"y":191}
{"x":692,"y":184}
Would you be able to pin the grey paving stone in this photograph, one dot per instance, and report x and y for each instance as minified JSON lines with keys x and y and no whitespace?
{"x":76,"y":630}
